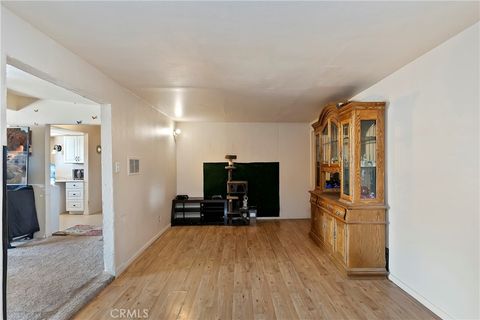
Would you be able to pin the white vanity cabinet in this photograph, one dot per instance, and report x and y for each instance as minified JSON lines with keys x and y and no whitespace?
{"x":74,"y":149}
{"x":75,"y":200}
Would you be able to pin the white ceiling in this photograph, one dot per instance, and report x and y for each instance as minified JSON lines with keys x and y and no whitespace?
{"x":57,"y":131}
{"x":55,"y":105}
{"x":54,"y":112}
{"x":248,"y":61}
{"x":26,"y":84}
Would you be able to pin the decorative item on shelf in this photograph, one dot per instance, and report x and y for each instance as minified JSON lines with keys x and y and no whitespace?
{"x":333,"y":182}
{"x":245,"y":202}
{"x":365,"y":191}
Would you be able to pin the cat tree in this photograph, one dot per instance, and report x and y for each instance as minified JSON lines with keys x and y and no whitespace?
{"x":236,"y":194}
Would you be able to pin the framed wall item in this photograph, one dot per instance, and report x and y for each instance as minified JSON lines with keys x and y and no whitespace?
{"x":18,"y":150}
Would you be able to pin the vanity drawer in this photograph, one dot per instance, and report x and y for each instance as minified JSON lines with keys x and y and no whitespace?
{"x":73,"y":205}
{"x":74,"y":185}
{"x":74,"y":194}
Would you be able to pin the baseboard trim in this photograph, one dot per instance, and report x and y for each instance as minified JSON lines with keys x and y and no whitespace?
{"x":283,"y":218}
{"x":417,"y":296}
{"x":125,"y":265}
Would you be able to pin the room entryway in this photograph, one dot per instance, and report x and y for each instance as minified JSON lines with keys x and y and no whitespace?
{"x":54,"y":199}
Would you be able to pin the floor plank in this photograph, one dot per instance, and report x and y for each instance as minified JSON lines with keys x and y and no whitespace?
{"x":268,"y":271}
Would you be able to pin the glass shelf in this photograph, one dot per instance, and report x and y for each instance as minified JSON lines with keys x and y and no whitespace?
{"x":346,"y":159}
{"x":325,"y":145}
{"x":368,"y":161}
{"x":334,"y":143}
{"x":317,"y":160}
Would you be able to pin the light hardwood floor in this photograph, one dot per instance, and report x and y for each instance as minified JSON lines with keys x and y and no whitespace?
{"x":271,"y":270}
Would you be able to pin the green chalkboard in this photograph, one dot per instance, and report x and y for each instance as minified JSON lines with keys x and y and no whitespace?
{"x":263,"y":184}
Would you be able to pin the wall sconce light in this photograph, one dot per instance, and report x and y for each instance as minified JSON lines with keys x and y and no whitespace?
{"x":56,"y":148}
{"x":177,"y":132}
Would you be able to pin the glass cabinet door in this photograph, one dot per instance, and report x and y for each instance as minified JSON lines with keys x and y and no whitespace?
{"x":333,"y":143}
{"x":325,"y":145}
{"x":346,"y":159}
{"x":368,"y":159}
{"x":317,"y":159}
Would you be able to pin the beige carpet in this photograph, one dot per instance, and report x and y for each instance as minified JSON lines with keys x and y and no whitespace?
{"x":55,"y":277}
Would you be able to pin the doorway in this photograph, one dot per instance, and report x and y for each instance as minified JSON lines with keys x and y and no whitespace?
{"x":67,"y":196}
{"x":75,"y":206}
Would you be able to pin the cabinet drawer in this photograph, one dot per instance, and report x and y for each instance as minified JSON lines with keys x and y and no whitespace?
{"x":75,"y":194}
{"x":321,"y":202}
{"x":334,"y":210}
{"x":328,"y":206}
{"x":74,"y":205}
{"x":339,"y":212}
{"x":74,"y":185}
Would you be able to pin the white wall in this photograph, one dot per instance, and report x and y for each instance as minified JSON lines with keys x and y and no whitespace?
{"x":433,"y":175}
{"x":286,"y":143}
{"x":36,"y":175}
{"x":141,"y":203}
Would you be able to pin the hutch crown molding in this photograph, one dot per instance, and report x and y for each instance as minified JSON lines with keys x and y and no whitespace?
{"x":347,"y":204}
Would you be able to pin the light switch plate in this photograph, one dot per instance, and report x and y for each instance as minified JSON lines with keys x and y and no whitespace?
{"x":117,"y":167}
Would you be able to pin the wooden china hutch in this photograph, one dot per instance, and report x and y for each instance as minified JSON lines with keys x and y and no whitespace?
{"x":348,"y":205}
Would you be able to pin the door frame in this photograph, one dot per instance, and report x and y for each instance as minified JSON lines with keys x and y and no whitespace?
{"x":106,"y":165}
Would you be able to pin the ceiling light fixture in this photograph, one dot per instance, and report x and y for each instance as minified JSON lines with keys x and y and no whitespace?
{"x":178,"y":105}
